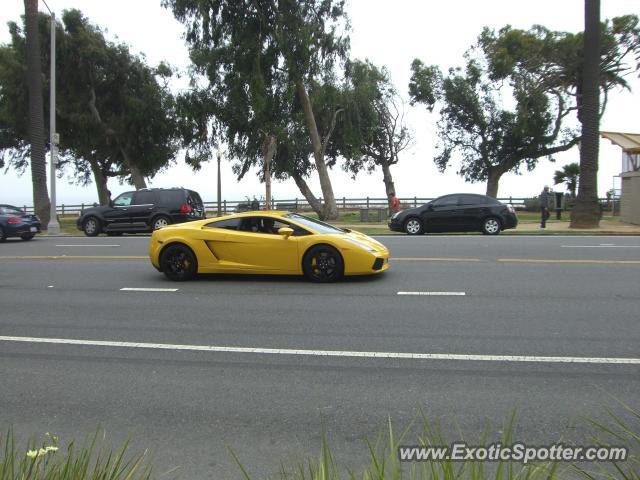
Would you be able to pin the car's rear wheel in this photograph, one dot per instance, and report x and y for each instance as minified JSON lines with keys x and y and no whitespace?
{"x":91,"y":227}
{"x":27,"y":236}
{"x":3,"y":237}
{"x":159,"y":222}
{"x":414,"y":226}
{"x":491,"y":226}
{"x":178,"y":262}
{"x":323,"y":264}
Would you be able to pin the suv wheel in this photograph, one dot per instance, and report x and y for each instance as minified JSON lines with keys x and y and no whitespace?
{"x":160,"y":222}
{"x":91,"y":227}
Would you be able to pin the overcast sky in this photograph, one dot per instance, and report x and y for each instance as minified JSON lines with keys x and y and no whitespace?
{"x":389,"y":33}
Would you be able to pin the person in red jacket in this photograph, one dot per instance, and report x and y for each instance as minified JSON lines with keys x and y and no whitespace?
{"x":394,"y":203}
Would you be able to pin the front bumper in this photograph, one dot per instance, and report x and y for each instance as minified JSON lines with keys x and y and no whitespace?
{"x":395,"y":225}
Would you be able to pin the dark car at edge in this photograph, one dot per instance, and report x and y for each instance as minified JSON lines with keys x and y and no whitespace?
{"x":458,"y":212}
{"x":142,"y":210}
{"x":15,"y":222}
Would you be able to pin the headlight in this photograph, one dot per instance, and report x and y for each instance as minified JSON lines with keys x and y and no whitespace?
{"x":395,"y":215}
{"x":361,"y":245}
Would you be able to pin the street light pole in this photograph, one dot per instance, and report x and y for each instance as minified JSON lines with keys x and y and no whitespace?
{"x":219,"y":186}
{"x":53,"y":228}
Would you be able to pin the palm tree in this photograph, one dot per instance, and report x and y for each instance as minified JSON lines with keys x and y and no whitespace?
{"x":569,"y":176}
{"x":586,"y":212}
{"x":36,"y":113}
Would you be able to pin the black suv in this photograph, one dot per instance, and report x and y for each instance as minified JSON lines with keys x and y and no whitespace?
{"x":142,"y":211}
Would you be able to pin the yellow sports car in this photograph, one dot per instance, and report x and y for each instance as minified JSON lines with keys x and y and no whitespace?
{"x":269,"y":242}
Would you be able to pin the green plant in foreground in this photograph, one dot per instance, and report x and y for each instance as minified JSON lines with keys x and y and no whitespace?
{"x":89,"y":461}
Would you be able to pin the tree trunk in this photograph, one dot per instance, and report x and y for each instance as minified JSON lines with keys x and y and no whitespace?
{"x":586,"y":212}
{"x":137,"y":179}
{"x":330,"y":207}
{"x":492,"y":183}
{"x":101,"y":183}
{"x":36,"y":114}
{"x":389,"y":186}
{"x":315,"y":204}
{"x":268,"y":151}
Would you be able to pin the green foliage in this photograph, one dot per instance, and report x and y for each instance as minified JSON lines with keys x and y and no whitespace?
{"x":88,"y":461}
{"x":489,"y":138}
{"x":569,"y":176}
{"x":250,"y":60}
{"x":555,"y":59}
{"x":373,"y":132}
{"x":111,"y":110}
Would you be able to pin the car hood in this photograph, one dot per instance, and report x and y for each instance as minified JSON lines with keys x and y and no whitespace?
{"x":367,"y":240}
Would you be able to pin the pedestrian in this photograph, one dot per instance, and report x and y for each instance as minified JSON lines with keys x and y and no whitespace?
{"x":544,"y":206}
{"x":394,"y":202}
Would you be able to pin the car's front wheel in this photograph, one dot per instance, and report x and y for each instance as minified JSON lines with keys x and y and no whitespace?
{"x":160,"y":222}
{"x":323,"y":264}
{"x":413,"y":226}
{"x":491,"y":226}
{"x":91,"y":227}
{"x":178,"y":262}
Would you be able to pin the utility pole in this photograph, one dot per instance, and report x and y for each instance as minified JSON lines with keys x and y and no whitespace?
{"x":219,"y":155}
{"x":53,"y":227}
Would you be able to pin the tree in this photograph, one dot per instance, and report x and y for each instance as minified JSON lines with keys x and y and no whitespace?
{"x":490,"y":139}
{"x":261,"y":60}
{"x":586,"y":211}
{"x":563,"y":64}
{"x":116,"y":116}
{"x":374,"y":132}
{"x":569,"y":176}
{"x":36,"y":113}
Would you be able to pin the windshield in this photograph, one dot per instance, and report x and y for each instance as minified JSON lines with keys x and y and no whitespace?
{"x":314,"y":224}
{"x":10,"y":210}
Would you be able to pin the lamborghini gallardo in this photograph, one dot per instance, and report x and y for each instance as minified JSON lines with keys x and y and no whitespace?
{"x":265,"y":242}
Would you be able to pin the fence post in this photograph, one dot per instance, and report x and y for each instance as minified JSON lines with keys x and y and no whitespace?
{"x":344,"y":203}
{"x":63,"y":209}
{"x":367,"y":202}
{"x":510,"y":200}
{"x":82,"y":208}
{"x":415,"y":202}
{"x":224,"y":212}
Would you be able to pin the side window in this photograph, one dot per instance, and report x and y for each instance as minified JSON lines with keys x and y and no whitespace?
{"x":123,"y":200}
{"x":448,"y":201}
{"x":144,"y":198}
{"x":268,"y":226}
{"x":229,"y":224}
{"x":470,"y":200}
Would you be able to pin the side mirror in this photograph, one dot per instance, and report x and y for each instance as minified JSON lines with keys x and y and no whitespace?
{"x":429,"y":208}
{"x":286,"y":232}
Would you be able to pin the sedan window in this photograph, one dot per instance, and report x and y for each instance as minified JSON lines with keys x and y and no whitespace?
{"x":471,"y":200}
{"x":448,"y":201}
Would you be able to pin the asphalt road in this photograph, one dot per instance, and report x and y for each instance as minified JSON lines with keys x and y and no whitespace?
{"x":568,"y":297}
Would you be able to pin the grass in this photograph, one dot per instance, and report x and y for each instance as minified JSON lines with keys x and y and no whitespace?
{"x":90,"y":460}
{"x":93,"y":461}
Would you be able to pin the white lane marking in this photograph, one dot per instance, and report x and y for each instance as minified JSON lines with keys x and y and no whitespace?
{"x":88,"y":245}
{"x":601,"y":246}
{"x":329,"y":353}
{"x":135,"y":289}
{"x":435,"y":294}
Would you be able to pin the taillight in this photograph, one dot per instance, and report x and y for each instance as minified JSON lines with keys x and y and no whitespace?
{"x":185,"y":208}
{"x":511,"y":209}
{"x":14,"y":220}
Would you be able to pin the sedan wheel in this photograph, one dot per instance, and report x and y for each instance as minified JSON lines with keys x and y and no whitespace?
{"x":91,"y":227}
{"x":160,"y":222}
{"x":2,"y":235}
{"x":323,"y":264}
{"x":27,"y":236}
{"x":413,"y":226}
{"x":178,"y":263}
{"x":491,"y":226}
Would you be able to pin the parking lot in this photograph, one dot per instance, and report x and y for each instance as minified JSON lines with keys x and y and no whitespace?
{"x":465,"y":327}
